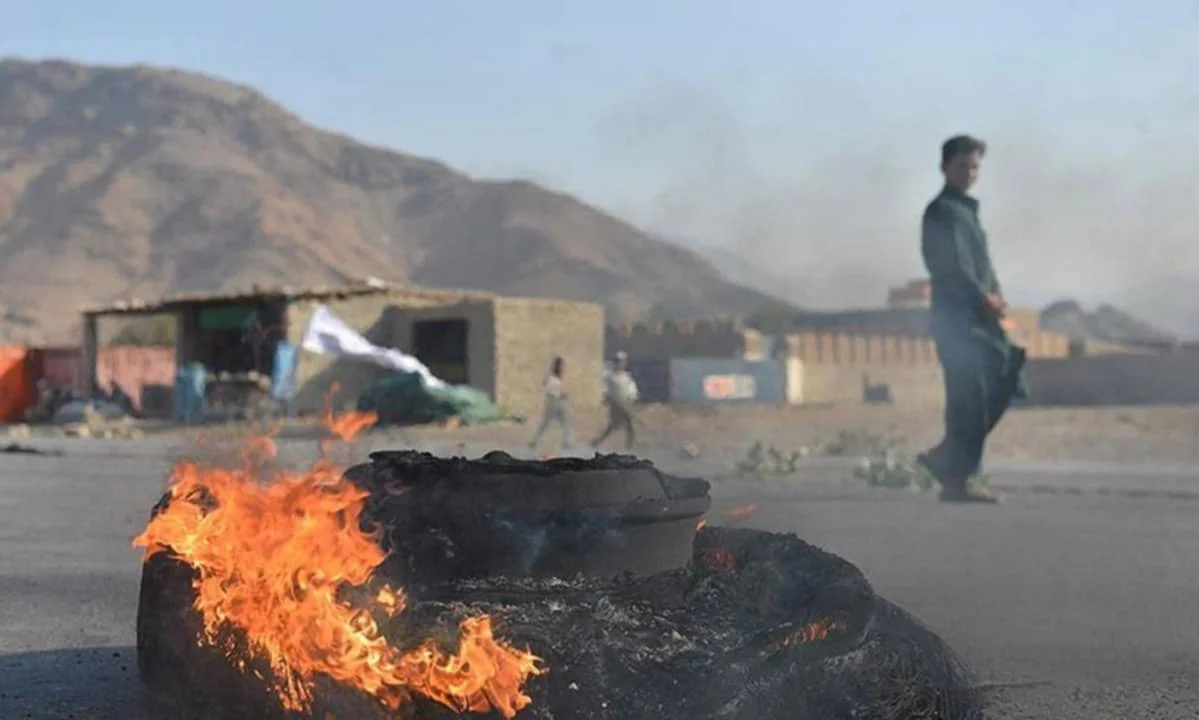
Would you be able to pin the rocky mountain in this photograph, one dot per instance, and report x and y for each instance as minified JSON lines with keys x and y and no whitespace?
{"x":121,"y":182}
{"x":1105,"y":323}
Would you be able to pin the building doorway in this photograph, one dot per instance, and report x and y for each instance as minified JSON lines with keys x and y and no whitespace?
{"x":442,"y":346}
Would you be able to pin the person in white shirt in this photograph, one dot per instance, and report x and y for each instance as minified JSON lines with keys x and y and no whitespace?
{"x":620,"y":392}
{"x":555,"y":409}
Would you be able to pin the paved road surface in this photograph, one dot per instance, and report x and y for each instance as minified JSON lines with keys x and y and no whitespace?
{"x":1097,"y":594}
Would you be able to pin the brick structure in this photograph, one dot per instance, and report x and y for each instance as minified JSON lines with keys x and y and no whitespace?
{"x":509,"y":344}
{"x":502,"y":346}
{"x":529,"y":333}
{"x":374,"y":315}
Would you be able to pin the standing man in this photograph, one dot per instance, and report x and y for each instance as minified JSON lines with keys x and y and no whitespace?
{"x":983,"y":370}
{"x":620,"y":392}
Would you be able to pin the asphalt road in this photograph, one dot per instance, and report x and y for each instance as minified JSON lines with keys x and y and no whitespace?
{"x":1093,"y":594}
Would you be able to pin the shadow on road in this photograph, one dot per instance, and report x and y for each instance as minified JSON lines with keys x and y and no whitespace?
{"x":72,"y":683}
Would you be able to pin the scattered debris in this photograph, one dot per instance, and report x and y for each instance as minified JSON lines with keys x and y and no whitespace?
{"x":18,"y":449}
{"x":689,"y":451}
{"x":97,"y":423}
{"x":80,"y":411}
{"x":859,"y":443}
{"x":891,"y":470}
{"x":763,"y":460}
{"x":741,"y":512}
{"x":888,"y":470}
{"x":50,"y":400}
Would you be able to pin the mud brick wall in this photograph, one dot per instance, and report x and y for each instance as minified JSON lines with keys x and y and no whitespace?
{"x":844,"y":349}
{"x":900,"y":332}
{"x":693,"y":339}
{"x":529,"y":333}
{"x":369,"y":314}
{"x":479,"y":315}
{"x":833,"y":368}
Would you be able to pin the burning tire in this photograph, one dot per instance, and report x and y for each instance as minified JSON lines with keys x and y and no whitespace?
{"x":559,"y":557}
{"x":446,"y":520}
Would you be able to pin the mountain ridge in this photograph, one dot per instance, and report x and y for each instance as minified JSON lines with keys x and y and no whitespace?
{"x":121,"y":181}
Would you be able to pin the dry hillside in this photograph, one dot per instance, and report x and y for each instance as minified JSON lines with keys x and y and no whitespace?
{"x":135,"y":181}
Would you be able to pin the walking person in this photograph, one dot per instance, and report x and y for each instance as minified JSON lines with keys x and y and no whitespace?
{"x":555,"y":409}
{"x":983,"y":370}
{"x":620,"y":392}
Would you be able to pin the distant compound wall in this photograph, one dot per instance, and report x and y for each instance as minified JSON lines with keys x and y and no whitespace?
{"x":835,"y":355}
{"x":700,"y":338}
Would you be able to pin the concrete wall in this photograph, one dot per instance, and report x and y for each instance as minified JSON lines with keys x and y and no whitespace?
{"x":529,"y":333}
{"x":1116,"y":379}
{"x":701,"y":338}
{"x":481,"y":338}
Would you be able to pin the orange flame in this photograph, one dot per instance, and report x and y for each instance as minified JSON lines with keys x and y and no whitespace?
{"x":701,"y":524}
{"x":723,"y":559}
{"x":348,"y":425}
{"x":814,"y":631}
{"x":272,"y":559}
{"x":741,"y":512}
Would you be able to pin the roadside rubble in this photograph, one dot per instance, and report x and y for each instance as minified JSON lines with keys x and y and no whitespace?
{"x":107,"y":421}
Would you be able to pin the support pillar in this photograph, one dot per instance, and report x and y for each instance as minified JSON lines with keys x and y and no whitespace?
{"x":91,"y":342}
{"x":182,"y":330}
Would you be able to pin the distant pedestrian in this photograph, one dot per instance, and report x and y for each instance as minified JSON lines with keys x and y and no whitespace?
{"x":620,"y":393}
{"x":555,"y":409}
{"x":982,"y":368}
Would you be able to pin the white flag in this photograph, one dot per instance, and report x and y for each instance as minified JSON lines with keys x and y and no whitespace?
{"x":328,"y":335}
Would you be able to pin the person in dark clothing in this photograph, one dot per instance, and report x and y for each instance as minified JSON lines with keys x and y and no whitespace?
{"x":983,"y":370}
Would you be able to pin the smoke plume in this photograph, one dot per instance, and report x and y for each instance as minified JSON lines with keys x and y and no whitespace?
{"x":831,"y":219}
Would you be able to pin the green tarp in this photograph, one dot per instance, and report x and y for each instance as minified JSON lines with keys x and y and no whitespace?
{"x":403,"y":399}
{"x":225,"y":317}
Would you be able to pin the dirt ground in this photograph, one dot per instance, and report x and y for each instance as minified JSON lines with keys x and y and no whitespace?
{"x":1147,"y":435}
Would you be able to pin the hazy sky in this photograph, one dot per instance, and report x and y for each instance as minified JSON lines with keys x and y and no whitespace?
{"x":803,"y":136}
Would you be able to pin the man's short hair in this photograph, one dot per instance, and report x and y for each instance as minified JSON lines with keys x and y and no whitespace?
{"x":961,"y":145}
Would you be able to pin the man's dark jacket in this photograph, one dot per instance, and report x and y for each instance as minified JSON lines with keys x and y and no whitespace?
{"x":955,"y":251}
